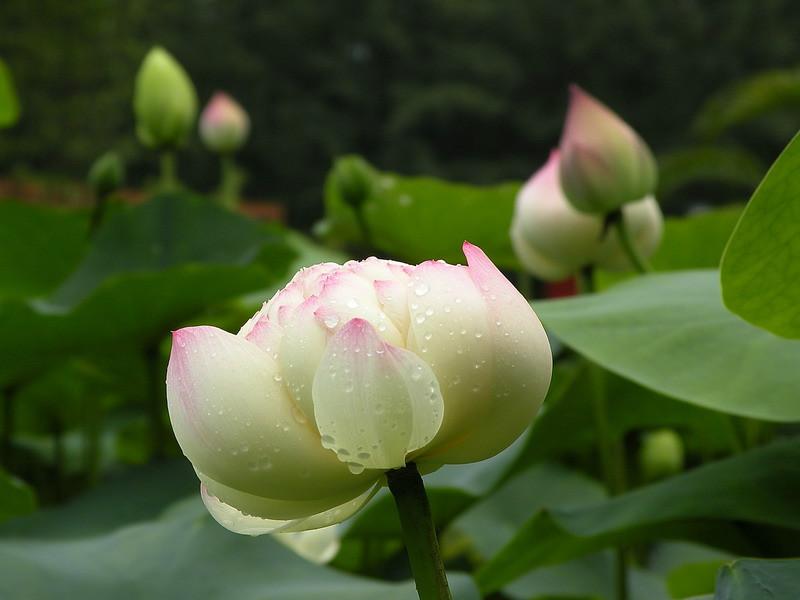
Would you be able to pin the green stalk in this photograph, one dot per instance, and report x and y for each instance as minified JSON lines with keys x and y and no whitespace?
{"x":611,"y":451}
{"x":98,"y":211}
{"x":169,"y":176}
{"x":419,"y":533}
{"x":228,"y":194}
{"x":639,"y":263}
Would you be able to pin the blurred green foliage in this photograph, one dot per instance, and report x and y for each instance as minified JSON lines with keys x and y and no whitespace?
{"x":473,"y":91}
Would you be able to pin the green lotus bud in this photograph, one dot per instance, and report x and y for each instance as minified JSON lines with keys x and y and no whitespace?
{"x":106,"y":175}
{"x":604,"y":163}
{"x":353,"y":178}
{"x":661,"y":454}
{"x":164,"y":101}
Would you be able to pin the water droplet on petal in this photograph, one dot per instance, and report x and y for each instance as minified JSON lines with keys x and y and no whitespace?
{"x":355,"y":468}
{"x":421,"y":289}
{"x":331,"y":321}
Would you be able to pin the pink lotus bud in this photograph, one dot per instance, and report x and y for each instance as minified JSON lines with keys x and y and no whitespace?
{"x":604,"y":163}
{"x":224,"y":124}
{"x":553,"y":240}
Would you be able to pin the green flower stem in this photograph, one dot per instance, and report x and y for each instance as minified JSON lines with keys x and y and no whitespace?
{"x":98,"y":211}
{"x":169,"y":176}
{"x":419,"y":533}
{"x":611,"y":450}
{"x":637,"y":260}
{"x":229,"y":182}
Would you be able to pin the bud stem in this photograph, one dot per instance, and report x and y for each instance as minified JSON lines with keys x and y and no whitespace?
{"x":419,"y":533}
{"x":230,"y":182}
{"x":169,"y":178}
{"x":637,"y":260}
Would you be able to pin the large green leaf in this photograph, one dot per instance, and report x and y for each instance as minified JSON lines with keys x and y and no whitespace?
{"x":760,"y":269}
{"x":568,"y":424}
{"x":750,"y":579}
{"x":749,"y":99}
{"x":9,"y":104}
{"x":760,"y":486}
{"x":670,"y":332}
{"x":183,"y":554}
{"x":16,"y":498}
{"x":39,"y":247}
{"x":422,"y":218}
{"x":172,"y":258}
{"x":703,"y":164}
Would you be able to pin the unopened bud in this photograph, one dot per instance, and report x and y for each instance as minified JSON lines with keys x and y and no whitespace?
{"x":224,"y":124}
{"x":164,"y":101}
{"x":604,"y":162}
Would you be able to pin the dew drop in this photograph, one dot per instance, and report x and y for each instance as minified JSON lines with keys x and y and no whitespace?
{"x":355,"y":468}
{"x":331,"y":321}
{"x":352,"y":303}
{"x":328,"y":441}
{"x":277,"y":377}
{"x":428,"y":336}
{"x":420,"y":319}
{"x":364,"y":455}
{"x":421,"y":289}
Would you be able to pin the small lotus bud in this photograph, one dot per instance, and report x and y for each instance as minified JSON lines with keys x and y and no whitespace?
{"x":353,"y":178}
{"x":552,"y":240}
{"x":661,"y":454}
{"x":164,"y":101}
{"x":604,"y":163}
{"x":224,"y":124}
{"x":106,"y":175}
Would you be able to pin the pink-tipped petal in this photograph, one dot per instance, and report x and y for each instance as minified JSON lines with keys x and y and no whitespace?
{"x":449,"y":330}
{"x":520,"y":364}
{"x":234,"y":421}
{"x":374,"y":403}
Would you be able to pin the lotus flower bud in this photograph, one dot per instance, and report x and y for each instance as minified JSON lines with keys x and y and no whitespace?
{"x":349,"y":371}
{"x":106,"y":175}
{"x":164,"y":101}
{"x":224,"y":124}
{"x":604,"y":163}
{"x":661,"y":454}
{"x":553,"y":240}
{"x":353,"y":178}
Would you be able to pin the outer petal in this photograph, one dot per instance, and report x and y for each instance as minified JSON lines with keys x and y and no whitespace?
{"x":450,"y":330}
{"x":235,"y":520}
{"x":520,"y":365}
{"x":534,"y":261}
{"x":319,"y":546}
{"x":546,"y":226}
{"x":235,"y":422}
{"x":279,"y":509}
{"x":373,"y":402}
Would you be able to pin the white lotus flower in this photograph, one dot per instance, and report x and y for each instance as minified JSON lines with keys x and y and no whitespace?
{"x":350,"y":371}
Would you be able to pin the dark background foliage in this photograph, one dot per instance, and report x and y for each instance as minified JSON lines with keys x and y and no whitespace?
{"x":467,"y":90}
